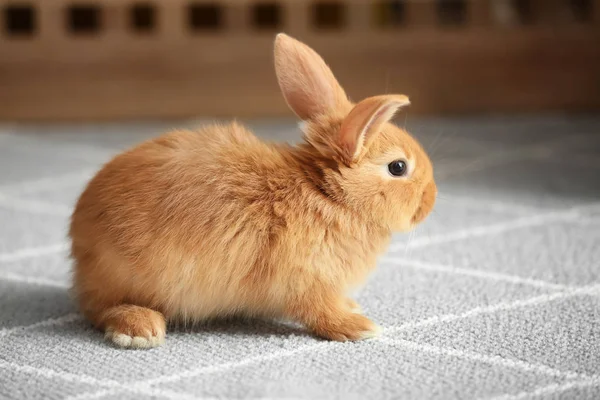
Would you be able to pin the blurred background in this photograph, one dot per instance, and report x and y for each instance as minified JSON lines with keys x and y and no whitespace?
{"x":90,"y":60}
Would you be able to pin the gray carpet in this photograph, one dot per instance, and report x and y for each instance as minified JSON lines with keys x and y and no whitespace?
{"x":496,"y":296}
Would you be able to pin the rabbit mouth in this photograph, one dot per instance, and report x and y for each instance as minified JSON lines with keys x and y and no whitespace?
{"x":418,"y":216}
{"x":426,"y":204}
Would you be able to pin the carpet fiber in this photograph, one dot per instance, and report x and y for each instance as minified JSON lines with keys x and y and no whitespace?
{"x":496,"y":296}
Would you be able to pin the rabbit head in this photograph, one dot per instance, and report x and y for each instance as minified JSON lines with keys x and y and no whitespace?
{"x":365,"y":161}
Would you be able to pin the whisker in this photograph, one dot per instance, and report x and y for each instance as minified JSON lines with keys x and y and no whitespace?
{"x":445,"y":159}
{"x":433,"y":144}
{"x":466,"y":167}
{"x":443,"y":142}
{"x":441,"y":217}
{"x":411,"y":235}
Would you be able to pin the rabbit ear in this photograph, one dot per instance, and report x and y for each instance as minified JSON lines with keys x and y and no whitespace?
{"x":364,"y":121}
{"x":307,"y":83}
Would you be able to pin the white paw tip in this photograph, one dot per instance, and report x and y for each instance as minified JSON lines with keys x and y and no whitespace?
{"x":136,"y":342}
{"x":156,"y":341}
{"x":139,"y":342}
{"x":372,"y":333}
{"x":122,"y":340}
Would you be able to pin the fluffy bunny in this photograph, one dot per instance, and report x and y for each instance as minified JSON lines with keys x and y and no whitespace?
{"x":214,"y":223}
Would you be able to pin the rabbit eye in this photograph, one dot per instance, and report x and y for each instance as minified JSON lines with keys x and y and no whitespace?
{"x":398,"y":168}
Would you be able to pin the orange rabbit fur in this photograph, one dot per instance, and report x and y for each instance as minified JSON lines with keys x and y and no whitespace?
{"x":213,"y":223}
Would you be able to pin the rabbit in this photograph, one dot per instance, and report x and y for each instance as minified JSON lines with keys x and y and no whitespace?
{"x":215,"y":223}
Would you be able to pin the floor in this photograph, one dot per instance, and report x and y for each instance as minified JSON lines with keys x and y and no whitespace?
{"x":496,"y":296}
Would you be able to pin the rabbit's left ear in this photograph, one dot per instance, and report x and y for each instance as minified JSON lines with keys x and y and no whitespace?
{"x":307,"y":83}
{"x":364,"y":122}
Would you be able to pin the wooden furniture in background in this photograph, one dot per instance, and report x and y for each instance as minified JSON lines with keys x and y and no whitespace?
{"x":109,"y":59}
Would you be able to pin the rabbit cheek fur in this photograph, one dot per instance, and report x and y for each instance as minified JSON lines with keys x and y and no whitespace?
{"x":195,"y":225}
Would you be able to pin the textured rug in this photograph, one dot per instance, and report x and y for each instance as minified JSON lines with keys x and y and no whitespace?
{"x":496,"y":296}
